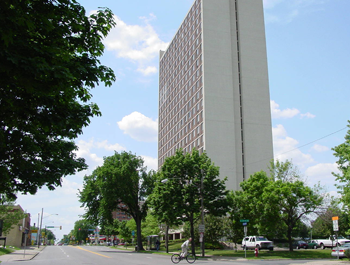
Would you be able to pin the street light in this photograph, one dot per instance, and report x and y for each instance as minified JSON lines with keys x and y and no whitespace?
{"x":41,"y":222}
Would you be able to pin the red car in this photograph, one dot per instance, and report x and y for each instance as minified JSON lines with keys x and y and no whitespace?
{"x":300,"y":244}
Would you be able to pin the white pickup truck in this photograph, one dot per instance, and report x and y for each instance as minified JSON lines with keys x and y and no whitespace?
{"x":260,"y":242}
{"x":332,"y":242}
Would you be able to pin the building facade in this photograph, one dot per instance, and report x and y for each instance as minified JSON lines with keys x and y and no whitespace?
{"x":214,"y":91}
{"x":20,"y":233}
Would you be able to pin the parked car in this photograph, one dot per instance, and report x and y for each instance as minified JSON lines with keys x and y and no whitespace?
{"x":300,"y":244}
{"x":340,"y":250}
{"x":260,"y":242}
{"x":312,"y":244}
{"x":332,"y":241}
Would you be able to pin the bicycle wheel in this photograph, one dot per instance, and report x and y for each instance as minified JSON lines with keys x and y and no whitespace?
{"x":175,"y":258}
{"x":191,"y":258}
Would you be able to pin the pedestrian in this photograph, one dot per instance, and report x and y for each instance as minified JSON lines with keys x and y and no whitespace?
{"x":185,"y":247}
{"x":157,"y":244}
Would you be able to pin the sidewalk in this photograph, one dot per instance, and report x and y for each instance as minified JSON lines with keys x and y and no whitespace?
{"x":22,"y":254}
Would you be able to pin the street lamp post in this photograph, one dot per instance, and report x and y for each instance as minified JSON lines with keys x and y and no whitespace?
{"x":202,"y":210}
{"x":41,"y":222}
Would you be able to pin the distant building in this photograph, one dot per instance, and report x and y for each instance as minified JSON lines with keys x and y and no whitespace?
{"x":121,"y":215}
{"x":214,"y":91}
{"x":20,"y":234}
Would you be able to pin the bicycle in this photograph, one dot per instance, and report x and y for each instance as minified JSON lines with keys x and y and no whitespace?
{"x":176,"y":258}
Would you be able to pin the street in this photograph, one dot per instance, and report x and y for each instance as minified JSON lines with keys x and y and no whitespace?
{"x":84,"y":255}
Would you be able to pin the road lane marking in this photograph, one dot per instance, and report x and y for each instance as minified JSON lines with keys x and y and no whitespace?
{"x":93,"y":252}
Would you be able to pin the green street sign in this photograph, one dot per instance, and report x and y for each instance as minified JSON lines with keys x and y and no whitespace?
{"x":50,"y":227}
{"x":244,"y":220}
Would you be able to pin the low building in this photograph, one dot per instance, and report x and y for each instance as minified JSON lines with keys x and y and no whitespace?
{"x":20,"y":234}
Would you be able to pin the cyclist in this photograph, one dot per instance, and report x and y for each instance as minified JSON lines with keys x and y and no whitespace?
{"x":185,"y":247}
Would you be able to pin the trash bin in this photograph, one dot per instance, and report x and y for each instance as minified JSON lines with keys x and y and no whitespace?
{"x":136,"y":248}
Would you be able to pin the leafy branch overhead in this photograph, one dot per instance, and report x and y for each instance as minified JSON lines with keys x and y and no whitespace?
{"x":49,"y":53}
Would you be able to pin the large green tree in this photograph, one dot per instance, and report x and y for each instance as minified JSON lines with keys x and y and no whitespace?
{"x":342,"y":153}
{"x":190,"y":177}
{"x":49,"y":54}
{"x":122,"y":184}
{"x":280,"y":202}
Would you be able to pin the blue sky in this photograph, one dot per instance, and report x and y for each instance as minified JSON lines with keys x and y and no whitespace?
{"x":309,"y":74}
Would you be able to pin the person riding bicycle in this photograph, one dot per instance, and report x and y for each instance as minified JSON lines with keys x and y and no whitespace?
{"x":185,"y":247}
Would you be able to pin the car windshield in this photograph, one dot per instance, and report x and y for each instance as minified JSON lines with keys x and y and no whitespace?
{"x":261,"y":238}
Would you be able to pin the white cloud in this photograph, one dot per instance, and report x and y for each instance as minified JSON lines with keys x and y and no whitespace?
{"x":286,"y":147}
{"x":277,"y":113}
{"x":148,"y":70}
{"x":88,"y":149}
{"x":322,"y":173}
{"x":139,"y":127}
{"x":151,"y":162}
{"x":308,"y":115}
{"x":138,"y":43}
{"x":320,"y":148}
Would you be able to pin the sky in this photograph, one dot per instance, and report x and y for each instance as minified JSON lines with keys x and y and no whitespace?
{"x":309,"y":75}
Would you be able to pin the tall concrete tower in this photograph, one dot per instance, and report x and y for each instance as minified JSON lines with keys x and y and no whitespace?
{"x":214,"y":90}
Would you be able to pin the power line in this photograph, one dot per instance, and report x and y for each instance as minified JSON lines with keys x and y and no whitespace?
{"x":301,"y":145}
{"x":312,"y":141}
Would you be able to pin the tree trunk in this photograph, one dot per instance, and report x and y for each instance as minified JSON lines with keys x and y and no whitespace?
{"x":290,"y":240}
{"x":167,"y":239}
{"x":138,"y":233}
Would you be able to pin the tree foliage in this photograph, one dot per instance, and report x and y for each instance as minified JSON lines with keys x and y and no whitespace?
{"x":342,"y":153}
{"x":276,"y":205}
{"x":322,"y":227}
{"x":122,"y":184}
{"x":9,"y":216}
{"x":49,"y":54}
{"x":185,"y":174}
{"x":82,"y":229}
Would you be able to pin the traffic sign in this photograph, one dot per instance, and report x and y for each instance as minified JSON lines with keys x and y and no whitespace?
{"x":244,"y":220}
{"x":335,"y":223}
{"x":201,"y":228}
{"x":49,"y":226}
{"x":245,"y":224}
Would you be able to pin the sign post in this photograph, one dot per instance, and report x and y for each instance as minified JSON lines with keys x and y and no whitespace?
{"x":245,"y":227}
{"x":336,"y":229}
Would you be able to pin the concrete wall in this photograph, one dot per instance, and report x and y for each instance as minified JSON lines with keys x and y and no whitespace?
{"x":236,"y":91}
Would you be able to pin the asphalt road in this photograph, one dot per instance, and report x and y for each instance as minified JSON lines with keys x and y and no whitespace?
{"x":88,"y":255}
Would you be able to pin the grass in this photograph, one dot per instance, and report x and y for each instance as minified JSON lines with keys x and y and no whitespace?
{"x":175,"y":247}
{"x":263,"y":254}
{"x":7,"y":250}
{"x":279,"y":254}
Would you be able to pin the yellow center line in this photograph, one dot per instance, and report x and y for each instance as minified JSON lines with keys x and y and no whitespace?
{"x":93,"y":252}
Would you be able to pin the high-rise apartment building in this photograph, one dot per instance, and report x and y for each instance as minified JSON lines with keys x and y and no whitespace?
{"x":213,"y":88}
